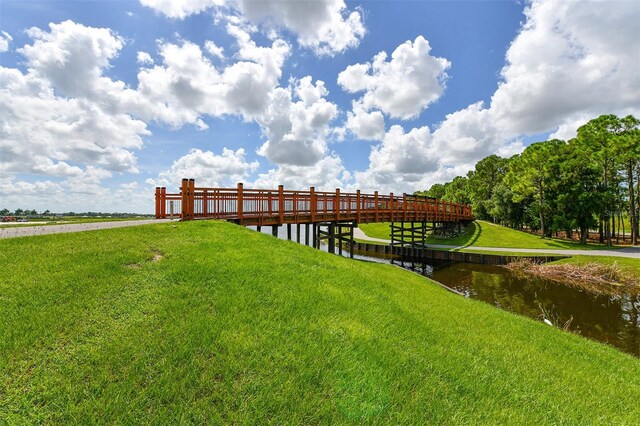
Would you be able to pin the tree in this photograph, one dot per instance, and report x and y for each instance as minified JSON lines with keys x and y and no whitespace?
{"x":627,"y":137}
{"x":596,"y":138}
{"x":532,"y":172}
{"x":579,"y":190}
{"x":436,"y":191}
{"x":457,"y":191}
{"x":488,"y":173}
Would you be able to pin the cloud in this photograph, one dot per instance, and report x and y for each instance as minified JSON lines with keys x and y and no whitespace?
{"x":144,"y":58}
{"x":296,"y":131}
{"x":71,"y":56}
{"x":180,"y":8}
{"x":400,"y":160}
{"x":402,"y":86}
{"x":363,"y":124}
{"x":325,"y":26}
{"x":208,"y":169}
{"x":327,"y":174}
{"x":5,"y":40}
{"x":214,"y":50}
{"x":187,"y":85}
{"x":53,"y":136}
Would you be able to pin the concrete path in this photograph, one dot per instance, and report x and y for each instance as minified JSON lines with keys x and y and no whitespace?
{"x":631,"y":252}
{"x":26,"y":231}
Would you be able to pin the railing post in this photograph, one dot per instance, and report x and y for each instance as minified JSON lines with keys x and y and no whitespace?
{"x":205,"y":203}
{"x":312,"y":204}
{"x":281,"y":204}
{"x":391,"y":207}
{"x":240,"y":201}
{"x":192,"y":198}
{"x":336,"y":206}
{"x":158,"y":203}
{"x":404,"y":207}
{"x":163,"y":202}
{"x":184,"y":192}
{"x":375,"y":200}
{"x":358,"y":206}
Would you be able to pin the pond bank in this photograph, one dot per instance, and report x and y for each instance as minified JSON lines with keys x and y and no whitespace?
{"x":455,"y":256}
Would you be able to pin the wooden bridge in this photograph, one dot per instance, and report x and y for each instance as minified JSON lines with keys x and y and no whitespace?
{"x":334,"y":211}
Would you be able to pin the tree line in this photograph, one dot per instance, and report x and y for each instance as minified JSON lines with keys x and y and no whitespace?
{"x":589,"y":182}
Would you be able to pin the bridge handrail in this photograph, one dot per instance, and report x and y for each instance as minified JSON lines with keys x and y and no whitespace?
{"x":277,"y":206}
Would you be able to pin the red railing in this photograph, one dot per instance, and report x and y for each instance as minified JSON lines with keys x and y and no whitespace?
{"x":274,"y":207}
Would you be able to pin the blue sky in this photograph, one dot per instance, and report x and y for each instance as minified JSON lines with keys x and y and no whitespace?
{"x":101,"y":101}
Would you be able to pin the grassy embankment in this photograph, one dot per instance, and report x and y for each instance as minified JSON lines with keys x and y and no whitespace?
{"x":210,"y":322}
{"x":486,"y":234}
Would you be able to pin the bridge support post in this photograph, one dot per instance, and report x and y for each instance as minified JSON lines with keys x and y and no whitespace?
{"x":411,"y":238}
{"x":289,"y":231}
{"x":298,"y":233}
{"x":306,"y":234}
{"x":259,"y":228}
{"x":332,"y":237}
{"x":274,"y":230}
{"x":315,"y":236}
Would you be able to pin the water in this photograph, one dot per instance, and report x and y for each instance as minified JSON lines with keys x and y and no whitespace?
{"x":612,"y":319}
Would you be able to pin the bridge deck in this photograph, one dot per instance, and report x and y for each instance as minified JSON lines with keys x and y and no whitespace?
{"x":252,"y":207}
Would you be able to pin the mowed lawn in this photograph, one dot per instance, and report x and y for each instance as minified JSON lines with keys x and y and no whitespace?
{"x":208,"y":322}
{"x":486,"y":234}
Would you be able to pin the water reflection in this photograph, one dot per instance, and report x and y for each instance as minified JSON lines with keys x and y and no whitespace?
{"x":612,"y":319}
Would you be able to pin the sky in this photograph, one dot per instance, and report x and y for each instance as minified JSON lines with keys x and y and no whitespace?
{"x":102,"y":101}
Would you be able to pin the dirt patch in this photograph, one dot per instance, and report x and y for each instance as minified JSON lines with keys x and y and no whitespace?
{"x":157,"y":256}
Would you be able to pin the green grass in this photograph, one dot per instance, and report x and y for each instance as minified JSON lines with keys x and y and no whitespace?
{"x":486,"y":234}
{"x":233,"y":326}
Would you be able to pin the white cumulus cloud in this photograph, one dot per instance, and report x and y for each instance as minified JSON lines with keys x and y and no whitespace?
{"x":144,"y":58}
{"x":5,"y":40}
{"x":325,"y":26}
{"x":402,"y":86}
{"x":400,"y":161}
{"x":296,"y":131}
{"x":208,"y":169}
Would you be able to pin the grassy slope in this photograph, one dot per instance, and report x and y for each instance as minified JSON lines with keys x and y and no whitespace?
{"x":235,"y":326}
{"x":486,"y":234}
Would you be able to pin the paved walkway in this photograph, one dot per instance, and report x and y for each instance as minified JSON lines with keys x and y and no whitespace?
{"x":25,"y":231}
{"x":632,"y":252}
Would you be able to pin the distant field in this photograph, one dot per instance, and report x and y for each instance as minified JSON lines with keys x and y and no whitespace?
{"x":486,"y":234}
{"x":208,"y":322}
{"x":69,"y":220}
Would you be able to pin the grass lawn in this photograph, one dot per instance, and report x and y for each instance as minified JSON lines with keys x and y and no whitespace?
{"x":208,"y":322}
{"x":486,"y":234}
